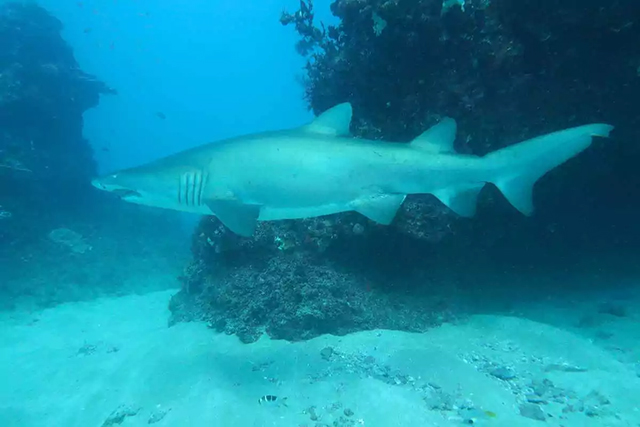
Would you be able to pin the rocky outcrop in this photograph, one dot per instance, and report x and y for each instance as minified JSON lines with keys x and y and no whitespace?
{"x":45,"y":163}
{"x":506,"y":70}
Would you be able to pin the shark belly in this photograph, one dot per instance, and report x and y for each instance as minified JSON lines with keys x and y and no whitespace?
{"x":308,"y":177}
{"x":299,"y":177}
{"x":271,"y":213}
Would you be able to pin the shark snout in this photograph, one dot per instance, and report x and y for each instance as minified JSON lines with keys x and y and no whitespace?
{"x":99,"y":185}
{"x":120,"y":191}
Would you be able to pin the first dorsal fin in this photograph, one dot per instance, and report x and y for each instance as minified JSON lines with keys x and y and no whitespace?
{"x":333,"y":122}
{"x":438,"y":138}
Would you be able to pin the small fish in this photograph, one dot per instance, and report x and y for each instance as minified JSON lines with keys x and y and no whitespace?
{"x":87,"y":30}
{"x":161,"y":115}
{"x":475,"y":415}
{"x":270,"y":399}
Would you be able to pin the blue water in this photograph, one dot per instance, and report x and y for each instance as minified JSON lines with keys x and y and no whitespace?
{"x":213,"y":69}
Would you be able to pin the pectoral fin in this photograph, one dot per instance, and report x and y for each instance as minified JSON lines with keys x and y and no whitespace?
{"x":237,"y":217}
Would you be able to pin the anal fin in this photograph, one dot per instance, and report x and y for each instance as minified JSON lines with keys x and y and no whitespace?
{"x":518,"y":190}
{"x":237,"y":217}
{"x":381,"y":209}
{"x":463,"y":202}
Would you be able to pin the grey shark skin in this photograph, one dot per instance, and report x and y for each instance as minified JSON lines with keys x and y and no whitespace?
{"x":319,"y":170}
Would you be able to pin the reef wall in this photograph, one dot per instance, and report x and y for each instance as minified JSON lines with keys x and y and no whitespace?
{"x":506,"y":70}
{"x":45,"y":163}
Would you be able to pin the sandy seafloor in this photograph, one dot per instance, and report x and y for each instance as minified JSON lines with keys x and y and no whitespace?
{"x":114,"y":361}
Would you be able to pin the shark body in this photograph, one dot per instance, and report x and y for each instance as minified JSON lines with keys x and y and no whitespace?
{"x":319,"y":170}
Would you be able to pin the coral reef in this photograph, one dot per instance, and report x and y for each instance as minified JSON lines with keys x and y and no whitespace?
{"x":298,"y":279}
{"x":403,"y":63}
{"x":60,"y":240}
{"x":506,"y":70}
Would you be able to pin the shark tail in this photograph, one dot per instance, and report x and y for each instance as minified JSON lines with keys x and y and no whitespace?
{"x":515,"y":169}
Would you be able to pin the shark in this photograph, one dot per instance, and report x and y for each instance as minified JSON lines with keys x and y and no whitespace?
{"x":320,"y":169}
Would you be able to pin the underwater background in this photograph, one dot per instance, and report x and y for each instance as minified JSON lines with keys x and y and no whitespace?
{"x":118,"y":314}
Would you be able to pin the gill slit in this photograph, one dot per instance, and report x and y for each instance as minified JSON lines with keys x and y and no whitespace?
{"x":191,"y":187}
{"x":200,"y":187}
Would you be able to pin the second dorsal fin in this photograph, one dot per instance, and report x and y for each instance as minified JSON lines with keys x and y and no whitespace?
{"x":438,"y":138}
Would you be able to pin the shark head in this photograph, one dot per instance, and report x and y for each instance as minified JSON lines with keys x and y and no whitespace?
{"x":121,"y":187}
{"x":150,"y":186}
{"x":132,"y":187}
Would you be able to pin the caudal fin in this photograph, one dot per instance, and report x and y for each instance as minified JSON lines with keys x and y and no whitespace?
{"x":516,"y":168}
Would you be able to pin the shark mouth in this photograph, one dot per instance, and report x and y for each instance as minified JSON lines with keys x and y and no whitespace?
{"x":124,"y":193}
